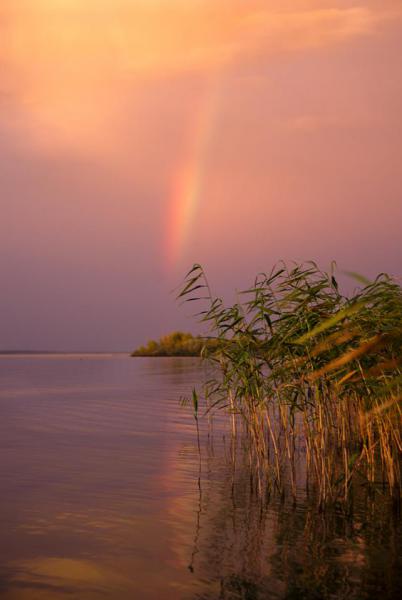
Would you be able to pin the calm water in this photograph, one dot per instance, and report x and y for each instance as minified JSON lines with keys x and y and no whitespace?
{"x":101,"y":498}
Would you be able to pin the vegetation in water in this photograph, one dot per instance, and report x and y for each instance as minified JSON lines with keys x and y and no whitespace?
{"x":251,"y":546}
{"x":313,"y":377}
{"x":175,"y":344}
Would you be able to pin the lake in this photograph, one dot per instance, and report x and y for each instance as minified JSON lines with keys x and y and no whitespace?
{"x":104,"y":496}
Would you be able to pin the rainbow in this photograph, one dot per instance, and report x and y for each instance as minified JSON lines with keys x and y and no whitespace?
{"x":187,"y":186}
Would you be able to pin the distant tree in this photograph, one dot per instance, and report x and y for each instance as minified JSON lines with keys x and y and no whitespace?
{"x":177,"y":343}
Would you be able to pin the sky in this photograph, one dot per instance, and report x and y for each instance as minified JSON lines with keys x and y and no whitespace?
{"x":140,"y":136}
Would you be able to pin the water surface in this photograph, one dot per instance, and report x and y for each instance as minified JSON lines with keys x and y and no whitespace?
{"x":103,"y":498}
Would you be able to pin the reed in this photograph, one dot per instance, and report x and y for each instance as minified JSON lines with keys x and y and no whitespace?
{"x":312,"y":376}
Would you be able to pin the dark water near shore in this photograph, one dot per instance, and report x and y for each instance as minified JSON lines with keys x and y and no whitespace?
{"x":100,"y":498}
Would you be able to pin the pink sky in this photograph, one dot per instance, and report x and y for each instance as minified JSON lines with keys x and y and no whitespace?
{"x":140,"y":136}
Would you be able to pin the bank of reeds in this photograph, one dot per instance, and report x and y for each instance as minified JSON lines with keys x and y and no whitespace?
{"x":312,"y":375}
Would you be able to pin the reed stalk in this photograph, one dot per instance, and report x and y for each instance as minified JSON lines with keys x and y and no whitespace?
{"x":314,"y":375}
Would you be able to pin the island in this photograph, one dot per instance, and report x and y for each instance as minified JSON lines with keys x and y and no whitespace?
{"x":178,"y":343}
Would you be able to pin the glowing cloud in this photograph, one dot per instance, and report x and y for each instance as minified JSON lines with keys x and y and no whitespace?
{"x":66,"y":61}
{"x":67,"y":64}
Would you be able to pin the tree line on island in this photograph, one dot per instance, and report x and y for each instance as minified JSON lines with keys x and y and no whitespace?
{"x":177,"y":343}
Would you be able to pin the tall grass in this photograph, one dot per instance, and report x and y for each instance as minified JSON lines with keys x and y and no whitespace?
{"x":312,"y":376}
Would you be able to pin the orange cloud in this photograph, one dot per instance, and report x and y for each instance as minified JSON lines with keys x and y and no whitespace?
{"x":157,"y":35}
{"x":311,"y":28}
{"x":68,"y":62}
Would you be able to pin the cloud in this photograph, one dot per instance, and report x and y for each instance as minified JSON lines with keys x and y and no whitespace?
{"x":67,"y":64}
{"x":289,"y":31}
{"x":159,"y":36}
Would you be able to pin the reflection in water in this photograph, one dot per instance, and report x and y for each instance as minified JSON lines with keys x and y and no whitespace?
{"x":249,"y":546}
{"x":103,"y":497}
